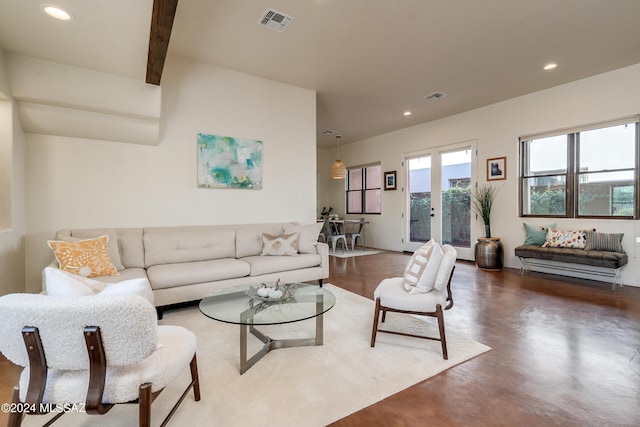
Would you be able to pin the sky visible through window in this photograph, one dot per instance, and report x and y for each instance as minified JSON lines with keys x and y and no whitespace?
{"x":448,"y":159}
{"x":600,"y":149}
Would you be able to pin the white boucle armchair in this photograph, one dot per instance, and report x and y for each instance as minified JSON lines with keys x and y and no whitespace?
{"x":391,"y":296}
{"x":92,"y":352}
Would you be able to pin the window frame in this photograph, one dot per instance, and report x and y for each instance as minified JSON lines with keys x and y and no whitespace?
{"x":573,"y":173}
{"x":363,"y":190}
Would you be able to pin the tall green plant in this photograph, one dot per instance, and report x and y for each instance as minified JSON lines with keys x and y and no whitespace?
{"x":482,"y":200}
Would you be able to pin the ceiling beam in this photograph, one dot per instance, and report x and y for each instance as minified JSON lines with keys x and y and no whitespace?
{"x":161,"y":24}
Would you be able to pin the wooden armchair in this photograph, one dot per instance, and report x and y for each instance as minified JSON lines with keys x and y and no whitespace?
{"x":92,"y":353}
{"x":391,"y":295}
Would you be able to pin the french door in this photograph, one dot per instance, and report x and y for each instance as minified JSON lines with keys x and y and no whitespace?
{"x":438,"y":198}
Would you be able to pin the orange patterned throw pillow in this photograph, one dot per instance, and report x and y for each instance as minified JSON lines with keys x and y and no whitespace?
{"x":88,"y":258}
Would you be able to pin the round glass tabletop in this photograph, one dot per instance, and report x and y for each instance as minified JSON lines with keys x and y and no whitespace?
{"x":233,"y":305}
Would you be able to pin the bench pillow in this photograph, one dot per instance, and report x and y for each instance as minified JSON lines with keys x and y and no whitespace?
{"x":536,"y":234}
{"x":610,"y":242}
{"x":564,"y":239}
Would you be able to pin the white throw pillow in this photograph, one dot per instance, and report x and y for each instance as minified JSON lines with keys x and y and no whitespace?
{"x":61,"y":283}
{"x":307,"y":236}
{"x":428,"y":279}
{"x":416,"y":266}
{"x":139,"y":286}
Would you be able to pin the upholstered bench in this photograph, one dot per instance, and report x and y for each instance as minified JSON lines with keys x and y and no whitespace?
{"x":602,"y":255}
{"x":610,"y":262}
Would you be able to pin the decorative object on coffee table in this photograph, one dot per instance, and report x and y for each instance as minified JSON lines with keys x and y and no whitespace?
{"x":271,"y":292}
{"x":489,"y":254}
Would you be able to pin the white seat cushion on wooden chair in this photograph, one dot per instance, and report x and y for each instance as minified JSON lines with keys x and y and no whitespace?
{"x":393,"y":294}
{"x":176,"y":347}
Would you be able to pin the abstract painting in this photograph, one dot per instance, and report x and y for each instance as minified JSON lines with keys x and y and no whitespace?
{"x":228,"y":162}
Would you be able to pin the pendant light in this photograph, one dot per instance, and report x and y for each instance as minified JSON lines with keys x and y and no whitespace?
{"x":338,"y":170}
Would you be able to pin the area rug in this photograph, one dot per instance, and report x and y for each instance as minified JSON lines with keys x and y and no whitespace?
{"x":304,"y":386}
{"x":349,"y":254}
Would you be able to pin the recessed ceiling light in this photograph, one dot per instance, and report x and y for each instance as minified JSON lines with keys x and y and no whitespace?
{"x":56,"y":12}
{"x":407,"y":113}
{"x":550,"y":66}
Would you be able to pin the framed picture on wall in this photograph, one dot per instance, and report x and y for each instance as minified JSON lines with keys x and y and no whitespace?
{"x":496,"y":168}
{"x":390,"y":180}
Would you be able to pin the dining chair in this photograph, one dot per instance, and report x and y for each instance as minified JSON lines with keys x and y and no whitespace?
{"x":334,"y":235}
{"x":359,"y":234}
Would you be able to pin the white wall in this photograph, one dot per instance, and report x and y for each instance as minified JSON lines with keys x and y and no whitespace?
{"x":496,"y":129}
{"x":87,"y":183}
{"x":12,"y":198}
{"x":59,"y":99}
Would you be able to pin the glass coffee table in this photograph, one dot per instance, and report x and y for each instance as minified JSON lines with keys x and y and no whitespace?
{"x":234,"y":306}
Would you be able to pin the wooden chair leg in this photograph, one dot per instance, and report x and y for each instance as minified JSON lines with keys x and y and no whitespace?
{"x":144,"y":405}
{"x":15,"y":418}
{"x":443,"y":338}
{"x":375,"y":323}
{"x":195,"y":378}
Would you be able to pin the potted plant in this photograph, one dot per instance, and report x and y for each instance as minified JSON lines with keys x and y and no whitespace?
{"x":488,"y":251}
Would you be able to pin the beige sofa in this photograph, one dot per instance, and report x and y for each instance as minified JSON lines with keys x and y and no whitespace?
{"x":186,"y":263}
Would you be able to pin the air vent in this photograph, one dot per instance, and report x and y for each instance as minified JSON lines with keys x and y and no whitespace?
{"x":276,"y":20}
{"x":435,"y":96}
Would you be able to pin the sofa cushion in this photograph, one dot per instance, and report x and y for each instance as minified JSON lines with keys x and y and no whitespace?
{"x":273,"y":264}
{"x":131,"y":247}
{"x":249,"y":238}
{"x":188,"y":246}
{"x":88,"y":258}
{"x":576,"y":256}
{"x":189,"y":273}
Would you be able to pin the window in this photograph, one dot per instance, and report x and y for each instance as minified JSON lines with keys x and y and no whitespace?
{"x":363,"y":190}
{"x":590,"y":172}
